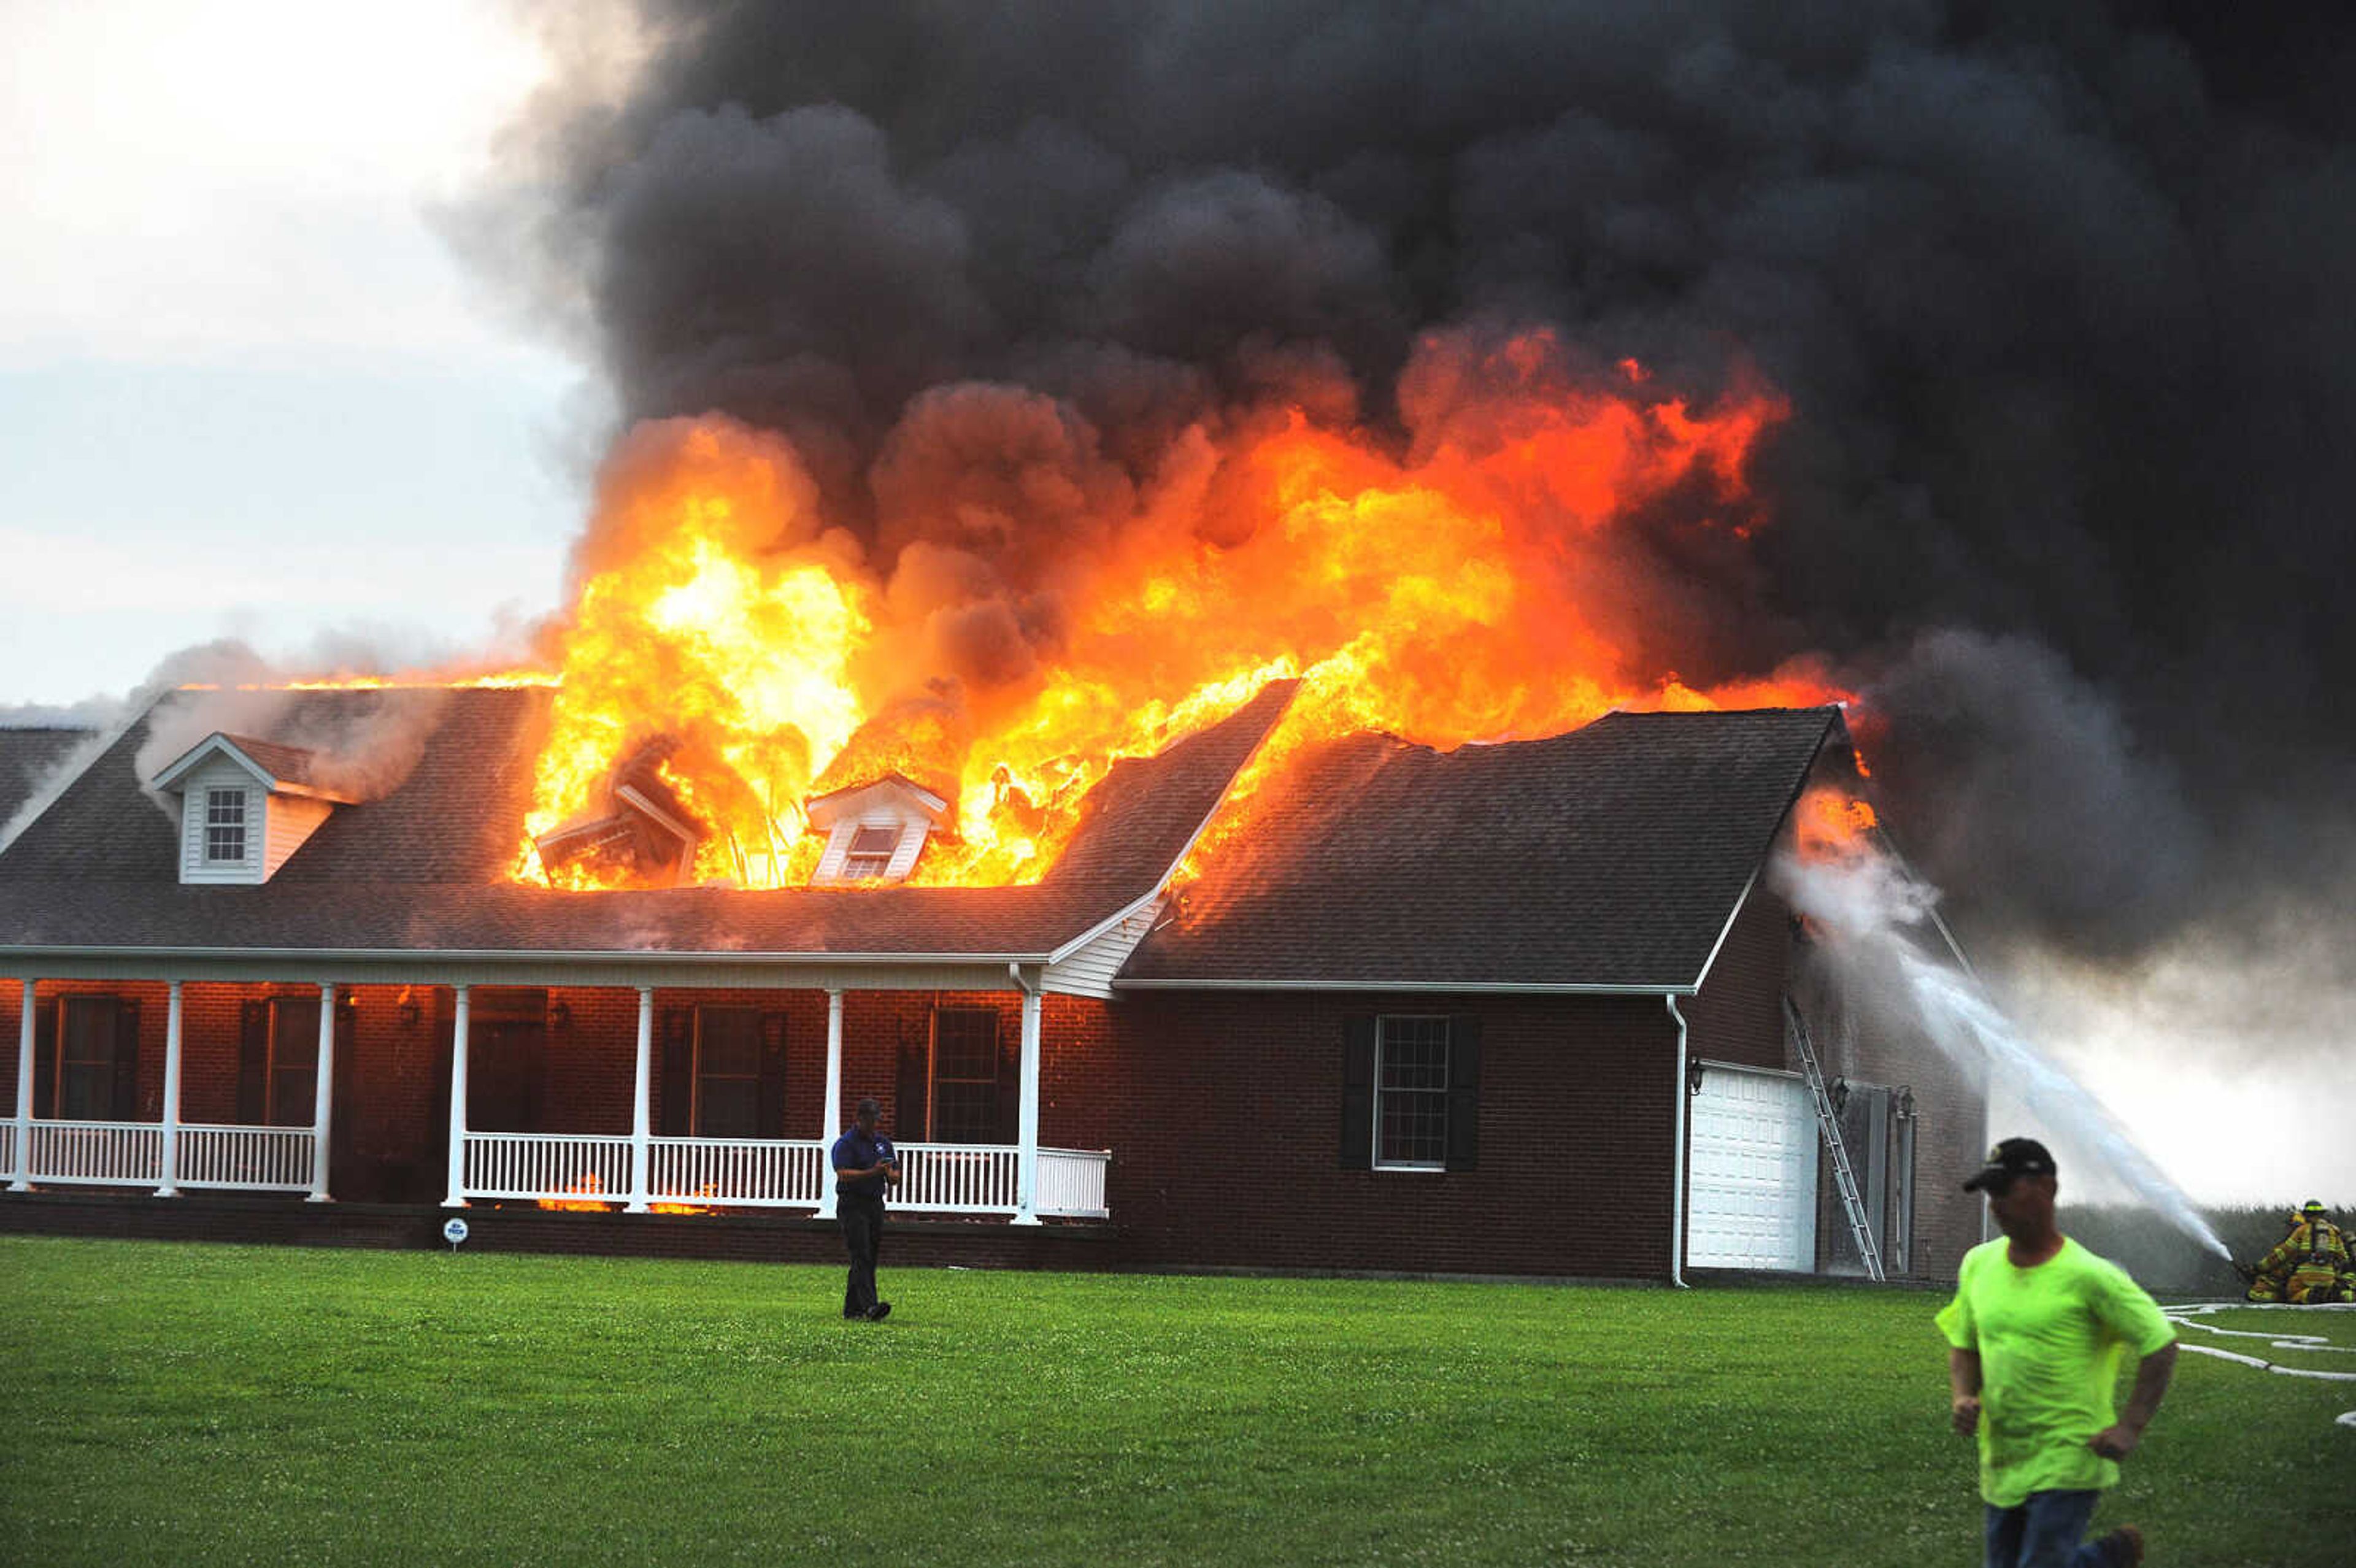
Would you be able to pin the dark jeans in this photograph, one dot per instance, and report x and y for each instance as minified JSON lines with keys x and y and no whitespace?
{"x":861,"y":1216}
{"x":2043,"y":1532}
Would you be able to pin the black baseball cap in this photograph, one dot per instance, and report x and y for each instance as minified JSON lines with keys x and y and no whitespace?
{"x":2011,"y":1159}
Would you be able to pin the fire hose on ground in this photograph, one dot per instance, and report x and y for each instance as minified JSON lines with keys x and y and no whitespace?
{"x":2188,"y":1317}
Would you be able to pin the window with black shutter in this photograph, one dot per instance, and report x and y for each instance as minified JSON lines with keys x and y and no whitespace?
{"x":727,"y":1072}
{"x":96,"y":1060}
{"x":965,"y":1098}
{"x":1410,"y":1093}
{"x":293,"y":1081}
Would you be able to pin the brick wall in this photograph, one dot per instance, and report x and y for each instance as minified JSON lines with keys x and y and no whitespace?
{"x":1222,"y":1111}
{"x":1226,"y":1112}
{"x":1738,"y":1015}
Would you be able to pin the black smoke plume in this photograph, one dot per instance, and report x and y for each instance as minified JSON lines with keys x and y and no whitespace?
{"x":2058,"y":292}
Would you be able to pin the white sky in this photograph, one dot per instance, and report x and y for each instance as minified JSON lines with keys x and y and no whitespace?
{"x":245,"y":390}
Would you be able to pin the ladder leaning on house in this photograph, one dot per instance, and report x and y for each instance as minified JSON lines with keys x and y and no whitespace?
{"x":1828,"y":1120}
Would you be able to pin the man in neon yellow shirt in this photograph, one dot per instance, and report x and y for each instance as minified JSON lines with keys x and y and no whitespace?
{"x":2035,"y":1334}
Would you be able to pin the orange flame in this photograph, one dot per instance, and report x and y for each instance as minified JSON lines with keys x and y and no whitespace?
{"x":1478,"y":584}
{"x":1831,"y":824}
{"x":585,"y":1190}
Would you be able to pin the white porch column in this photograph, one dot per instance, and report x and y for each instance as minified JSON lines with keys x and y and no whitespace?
{"x":323,"y":1094}
{"x":24,"y":1171}
{"x":1026,"y":1150}
{"x":457,"y":1199}
{"x":168,"y":1188}
{"x":642,"y":1120}
{"x":833,"y":1129}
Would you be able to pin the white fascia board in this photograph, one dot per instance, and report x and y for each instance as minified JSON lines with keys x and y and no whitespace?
{"x":1483,"y":987}
{"x":213,"y":745}
{"x":1161,"y":886}
{"x":1118,"y":915}
{"x":1711,"y":962}
{"x":222,"y":745}
{"x":11,"y":957}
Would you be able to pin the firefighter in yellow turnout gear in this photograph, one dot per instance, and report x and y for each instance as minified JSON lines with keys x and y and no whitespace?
{"x":2308,"y":1266}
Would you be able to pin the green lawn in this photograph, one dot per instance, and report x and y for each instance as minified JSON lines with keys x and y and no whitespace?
{"x":186,"y":1404}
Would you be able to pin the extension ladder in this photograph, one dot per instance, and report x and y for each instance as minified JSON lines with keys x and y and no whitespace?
{"x":1828,"y":1120}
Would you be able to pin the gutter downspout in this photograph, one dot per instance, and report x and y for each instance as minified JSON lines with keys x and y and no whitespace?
{"x":1678,"y":1192}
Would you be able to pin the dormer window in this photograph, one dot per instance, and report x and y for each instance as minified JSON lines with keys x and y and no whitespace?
{"x":245,"y":805}
{"x":224,"y":826}
{"x":871,"y":853}
{"x":874,"y":832}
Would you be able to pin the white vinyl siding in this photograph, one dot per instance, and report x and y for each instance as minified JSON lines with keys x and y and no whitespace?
{"x":907,"y":843}
{"x":1089,"y":972}
{"x":275,"y":825}
{"x":197,"y":865}
{"x":290,"y":818}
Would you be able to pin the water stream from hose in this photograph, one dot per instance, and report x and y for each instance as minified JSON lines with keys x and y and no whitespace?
{"x":1874,"y":920}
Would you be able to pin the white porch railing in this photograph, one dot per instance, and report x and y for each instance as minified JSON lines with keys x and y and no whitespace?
{"x":130,"y":1154}
{"x":115,"y":1154}
{"x":776,"y":1173}
{"x":553,"y":1166}
{"x":751,"y":1172}
{"x":252,"y":1159}
{"x":964,"y":1178}
{"x":1072,"y":1182}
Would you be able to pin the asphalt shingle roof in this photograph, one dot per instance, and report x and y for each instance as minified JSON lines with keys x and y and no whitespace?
{"x":27,"y":756}
{"x":424,"y":865}
{"x":1611,"y":856}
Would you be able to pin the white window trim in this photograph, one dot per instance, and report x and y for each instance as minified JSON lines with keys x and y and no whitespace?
{"x":1416,"y":1165}
{"x":219,"y":797}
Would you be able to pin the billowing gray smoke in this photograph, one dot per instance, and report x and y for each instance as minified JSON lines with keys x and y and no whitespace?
{"x":2057,"y":290}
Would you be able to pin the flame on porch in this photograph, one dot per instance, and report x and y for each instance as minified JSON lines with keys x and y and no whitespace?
{"x":585,"y":1194}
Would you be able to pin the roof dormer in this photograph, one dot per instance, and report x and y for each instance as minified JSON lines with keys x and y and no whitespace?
{"x":246,"y":804}
{"x":876,"y":830}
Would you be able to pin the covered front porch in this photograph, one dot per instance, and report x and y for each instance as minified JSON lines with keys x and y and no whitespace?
{"x":570,"y":1094}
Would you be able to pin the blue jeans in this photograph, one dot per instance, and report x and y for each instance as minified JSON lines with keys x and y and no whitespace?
{"x":2043,"y":1532}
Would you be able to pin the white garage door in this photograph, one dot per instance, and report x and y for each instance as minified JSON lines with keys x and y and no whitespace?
{"x":1751,"y":1193}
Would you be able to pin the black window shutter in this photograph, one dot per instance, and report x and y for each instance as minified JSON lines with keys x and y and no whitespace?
{"x":1463,"y":1092}
{"x":678,"y":1073}
{"x":1358,"y":1093}
{"x":252,"y":1062}
{"x":772,"y":1112}
{"x":1010,"y":1078}
{"x":45,"y":1057}
{"x":126,"y":1093}
{"x":909,"y":1089}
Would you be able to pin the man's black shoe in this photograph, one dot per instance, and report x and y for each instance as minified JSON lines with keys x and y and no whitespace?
{"x":880,"y":1311}
{"x":851,"y":1317}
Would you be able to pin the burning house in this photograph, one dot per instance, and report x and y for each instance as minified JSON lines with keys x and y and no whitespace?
{"x":1332,"y":1002}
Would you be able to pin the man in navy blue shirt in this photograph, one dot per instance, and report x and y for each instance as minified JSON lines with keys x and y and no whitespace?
{"x":864,"y":1165}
